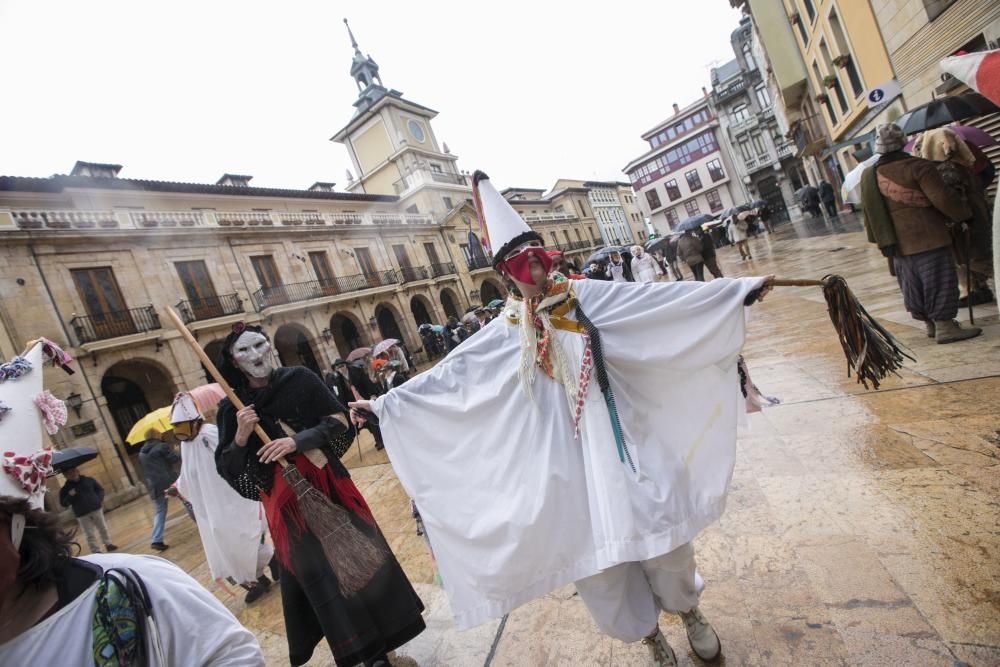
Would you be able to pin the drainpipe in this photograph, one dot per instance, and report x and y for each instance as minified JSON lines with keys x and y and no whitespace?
{"x":83,"y":373}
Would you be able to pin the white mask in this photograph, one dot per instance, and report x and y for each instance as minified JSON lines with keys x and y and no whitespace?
{"x":252,"y":354}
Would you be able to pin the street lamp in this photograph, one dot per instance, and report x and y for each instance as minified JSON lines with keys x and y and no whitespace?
{"x":75,"y":401}
{"x":327,"y":334}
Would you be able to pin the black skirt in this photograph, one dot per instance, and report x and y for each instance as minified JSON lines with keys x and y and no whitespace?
{"x":380,"y":618}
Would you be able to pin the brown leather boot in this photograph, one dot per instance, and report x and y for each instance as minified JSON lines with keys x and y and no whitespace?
{"x":950,"y":331}
{"x":930,"y":328}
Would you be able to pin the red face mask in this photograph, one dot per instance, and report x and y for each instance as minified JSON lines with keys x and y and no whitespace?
{"x":519,"y":266}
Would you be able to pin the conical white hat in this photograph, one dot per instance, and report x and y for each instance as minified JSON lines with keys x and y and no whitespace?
{"x":980,"y":71}
{"x":184,"y":409}
{"x":503,"y":227}
{"x":21,"y":428}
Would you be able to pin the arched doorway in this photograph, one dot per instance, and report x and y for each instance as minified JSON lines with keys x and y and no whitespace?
{"x":293,"y":347}
{"x":449,"y":303}
{"x":490,"y":291}
{"x":133,"y":389}
{"x":214,"y":352}
{"x":388,"y":326}
{"x":421,"y":310}
{"x":346,"y":332}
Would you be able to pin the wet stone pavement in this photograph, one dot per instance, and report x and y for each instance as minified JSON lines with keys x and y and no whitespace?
{"x":862,"y":527}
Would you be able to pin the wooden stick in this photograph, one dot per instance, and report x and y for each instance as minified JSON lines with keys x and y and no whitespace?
{"x":789,"y":282}
{"x":214,"y":372}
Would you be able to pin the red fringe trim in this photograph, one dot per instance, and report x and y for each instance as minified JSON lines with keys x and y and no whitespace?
{"x":284,"y":517}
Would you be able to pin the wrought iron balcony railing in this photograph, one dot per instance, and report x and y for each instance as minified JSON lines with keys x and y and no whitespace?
{"x":102,"y":326}
{"x":205,"y":308}
{"x":478,"y":262}
{"x":441,"y":269}
{"x":315,"y":289}
{"x":411,"y":274}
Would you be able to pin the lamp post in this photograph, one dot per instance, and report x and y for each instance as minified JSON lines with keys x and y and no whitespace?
{"x":75,"y":401}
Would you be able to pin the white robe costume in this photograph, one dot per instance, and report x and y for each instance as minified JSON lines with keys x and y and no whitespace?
{"x":231,"y":527}
{"x":515,"y":505}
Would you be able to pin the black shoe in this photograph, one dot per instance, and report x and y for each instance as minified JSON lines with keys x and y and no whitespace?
{"x":257,"y":588}
{"x":275,"y":570}
{"x":159,"y":546}
{"x":110,"y":547}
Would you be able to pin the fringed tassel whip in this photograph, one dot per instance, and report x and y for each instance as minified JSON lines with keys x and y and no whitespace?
{"x":872,"y":352}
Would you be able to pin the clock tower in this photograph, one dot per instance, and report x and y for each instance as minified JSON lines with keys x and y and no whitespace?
{"x":393,"y":146}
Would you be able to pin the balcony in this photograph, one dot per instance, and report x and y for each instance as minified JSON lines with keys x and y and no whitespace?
{"x":168,"y":219}
{"x":102,"y":326}
{"x":411,"y":274}
{"x":548,"y":217}
{"x":277,"y":295}
{"x":740,"y":126}
{"x":426,"y":177}
{"x":758,"y":162}
{"x":209,"y":307}
{"x":65,"y":219}
{"x":479,"y":262}
{"x":786,"y":150}
{"x":441,"y":269}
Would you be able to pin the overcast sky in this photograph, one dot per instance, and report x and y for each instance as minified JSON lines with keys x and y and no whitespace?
{"x":185,"y":91}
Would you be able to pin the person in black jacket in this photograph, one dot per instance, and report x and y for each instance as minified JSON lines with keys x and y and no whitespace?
{"x":708,"y":254}
{"x":829,"y":198}
{"x":158,"y":459}
{"x":367,"y":388}
{"x":86,"y":496}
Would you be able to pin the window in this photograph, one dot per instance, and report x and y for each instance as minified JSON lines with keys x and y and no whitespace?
{"x":748,"y":56}
{"x":693,"y":149}
{"x":399,"y":250}
{"x":436,"y":168}
{"x":583,"y":207}
{"x":412,"y":209}
{"x":745,"y":150}
{"x":653,"y":199}
{"x":673,"y":192}
{"x":693,"y":179}
{"x":199,"y":289}
{"x":803,"y":33}
{"x":691,"y":206}
{"x":672,"y":217}
{"x":714,"y":201}
{"x":740,"y":113}
{"x":367,"y":266}
{"x":578,"y":236}
{"x":566,"y":234}
{"x":810,"y":10}
{"x":758,"y":144}
{"x":447,"y":203}
{"x":555,"y":239}
{"x":324,"y":274}
{"x":715,"y":171}
{"x":818,"y":80}
{"x":103,"y":301}
{"x":763,"y":99}
{"x":432,"y":254}
{"x":266,"y":271}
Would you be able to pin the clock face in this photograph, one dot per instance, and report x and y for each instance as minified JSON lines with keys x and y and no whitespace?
{"x":416,"y":130}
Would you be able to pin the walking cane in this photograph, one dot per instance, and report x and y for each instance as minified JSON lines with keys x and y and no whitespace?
{"x":353,"y":556}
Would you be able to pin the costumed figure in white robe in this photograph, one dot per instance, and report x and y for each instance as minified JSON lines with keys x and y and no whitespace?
{"x":597,"y":426}
{"x":233,"y":529}
{"x":105,"y":609}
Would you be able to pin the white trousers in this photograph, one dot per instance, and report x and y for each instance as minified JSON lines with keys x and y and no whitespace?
{"x":625,"y":600}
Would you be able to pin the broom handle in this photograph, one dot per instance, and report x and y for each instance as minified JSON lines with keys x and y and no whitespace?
{"x":214,"y":372}
{"x":789,"y":282}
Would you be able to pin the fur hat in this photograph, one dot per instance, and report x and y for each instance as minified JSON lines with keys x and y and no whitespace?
{"x":943,"y":144}
{"x":889,"y":138}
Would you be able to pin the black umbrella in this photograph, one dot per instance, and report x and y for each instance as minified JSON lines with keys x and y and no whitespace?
{"x":734,"y":210}
{"x":657,"y":244}
{"x":602,"y":255}
{"x":945,"y":110}
{"x":694,"y":222}
{"x":757,"y":204}
{"x":64,"y":459}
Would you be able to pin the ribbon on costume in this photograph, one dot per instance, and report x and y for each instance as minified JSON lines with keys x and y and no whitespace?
{"x":29,"y":470}
{"x":53,"y":411}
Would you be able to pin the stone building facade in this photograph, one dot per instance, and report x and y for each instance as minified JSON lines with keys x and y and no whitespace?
{"x":92,"y":260}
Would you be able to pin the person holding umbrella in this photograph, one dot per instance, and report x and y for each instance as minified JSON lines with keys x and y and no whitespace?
{"x":828,"y":198}
{"x":86,"y":496}
{"x":157,"y":459}
{"x":689,"y":248}
{"x":739,"y":227}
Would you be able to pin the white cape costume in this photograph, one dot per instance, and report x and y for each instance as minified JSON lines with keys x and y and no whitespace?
{"x":231,"y":527}
{"x":515,"y":505}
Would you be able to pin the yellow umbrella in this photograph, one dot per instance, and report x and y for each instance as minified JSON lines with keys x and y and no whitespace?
{"x":158,"y":420}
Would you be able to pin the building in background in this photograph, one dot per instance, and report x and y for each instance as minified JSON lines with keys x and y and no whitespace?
{"x":92,"y":259}
{"x":687,"y":170}
{"x":764,"y":159}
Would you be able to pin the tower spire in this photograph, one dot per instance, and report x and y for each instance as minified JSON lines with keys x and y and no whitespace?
{"x":354,"y":42}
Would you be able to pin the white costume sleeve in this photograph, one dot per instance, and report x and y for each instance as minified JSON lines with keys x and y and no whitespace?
{"x":194,"y":627}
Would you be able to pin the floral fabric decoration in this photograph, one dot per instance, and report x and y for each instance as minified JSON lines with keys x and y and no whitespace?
{"x":53,"y":411}
{"x":28,"y":470}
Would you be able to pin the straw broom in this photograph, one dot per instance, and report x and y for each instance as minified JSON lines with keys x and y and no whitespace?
{"x":353,"y":556}
{"x":872,"y":352}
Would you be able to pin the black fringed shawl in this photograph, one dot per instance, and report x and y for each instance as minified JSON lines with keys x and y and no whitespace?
{"x":295,"y":396}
